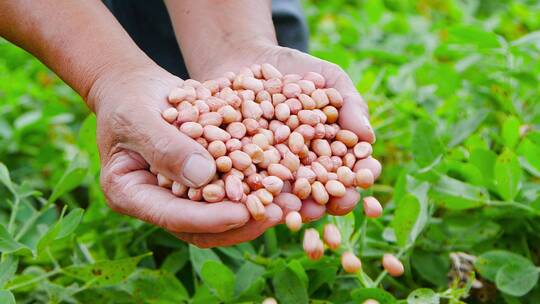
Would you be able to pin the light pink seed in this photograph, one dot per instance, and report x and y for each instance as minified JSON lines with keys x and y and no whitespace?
{"x":362,"y":149}
{"x":392,"y":265}
{"x":308,"y":117}
{"x":351,"y":263}
{"x":307,"y":102}
{"x":273,"y":184}
{"x":278,"y":98}
{"x":320,"y":98}
{"x":282,"y":112}
{"x":335,"y":188}
{"x":338,"y":148}
{"x":233,"y":188}
{"x":210,"y":119}
{"x":307,"y":173}
{"x":213,"y":193}
{"x":269,"y":71}
{"x":306,"y":86}
{"x":372,"y":207}
{"x":170,"y":114}
{"x":301,"y":188}
{"x":293,"y":220}
{"x":192,"y":129}
{"x":331,"y":236}
{"x":177,"y":95}
{"x":179,"y":189}
{"x":273,"y":85}
{"x":267,"y":109}
{"x":317,"y":79}
{"x":217,"y":148}
{"x":321,"y":147}
{"x":291,"y":90}
{"x":280,"y":171}
{"x":223,"y":164}
{"x":212,"y":133}
{"x":294,"y":104}
{"x":236,"y":130}
{"x":335,"y":98}
{"x":296,"y":142}
{"x":233,"y":144}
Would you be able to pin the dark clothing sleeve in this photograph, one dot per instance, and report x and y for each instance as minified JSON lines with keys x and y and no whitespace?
{"x":149,"y":25}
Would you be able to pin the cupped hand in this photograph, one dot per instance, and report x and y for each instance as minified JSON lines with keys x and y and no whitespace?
{"x":353,"y":115}
{"x":132,"y":137}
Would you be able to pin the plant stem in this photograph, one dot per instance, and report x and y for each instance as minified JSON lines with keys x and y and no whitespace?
{"x":515,"y":205}
{"x":13,"y":215}
{"x":270,"y":241}
{"x":36,"y":279}
{"x":31,"y":221}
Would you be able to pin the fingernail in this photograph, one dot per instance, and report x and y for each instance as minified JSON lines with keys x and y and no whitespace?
{"x":198,"y":170}
{"x":367,"y":124}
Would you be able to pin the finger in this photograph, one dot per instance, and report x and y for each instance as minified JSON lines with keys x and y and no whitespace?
{"x":343,"y":205}
{"x":130,"y":189}
{"x":311,"y":211}
{"x":171,"y":152}
{"x":371,"y":164}
{"x":288,"y":202}
{"x":353,"y":115}
{"x":248,"y":232}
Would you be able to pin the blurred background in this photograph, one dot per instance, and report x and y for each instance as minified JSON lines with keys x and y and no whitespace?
{"x":452,"y":88}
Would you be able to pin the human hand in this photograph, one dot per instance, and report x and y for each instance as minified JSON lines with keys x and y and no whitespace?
{"x":352,"y":116}
{"x":132,"y":136}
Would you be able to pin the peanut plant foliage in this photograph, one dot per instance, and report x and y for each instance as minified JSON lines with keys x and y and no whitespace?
{"x":453,"y":93}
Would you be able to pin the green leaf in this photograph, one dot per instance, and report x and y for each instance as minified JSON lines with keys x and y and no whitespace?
{"x":175,"y":261}
{"x":489,"y":263}
{"x":426,"y":148}
{"x":464,"y":128}
{"x":5,"y":179}
{"x":219,"y":278}
{"x":288,"y":287}
{"x":6,"y":297}
{"x":508,"y":175}
{"x":472,"y":35}
{"x":155,"y":286}
{"x":9,"y":245}
{"x":199,"y":256}
{"x":360,"y":295}
{"x":297,"y":267}
{"x":87,"y":141}
{"x":107,"y":272}
{"x":432,"y":267}
{"x":247,"y":276}
{"x":345,"y":224}
{"x":423,"y":296}
{"x":411,"y":214}
{"x":72,"y":177}
{"x":484,"y":160}
{"x":457,"y":195}
{"x":517,"y":279}
{"x":510,"y":131}
{"x":8,"y":268}
{"x":64,"y":227}
{"x":529,"y":153}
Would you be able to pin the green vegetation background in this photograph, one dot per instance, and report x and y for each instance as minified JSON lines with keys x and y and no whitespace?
{"x":453,"y":88}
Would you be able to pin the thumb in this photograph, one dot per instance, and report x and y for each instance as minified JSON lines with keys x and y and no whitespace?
{"x":174,"y":154}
